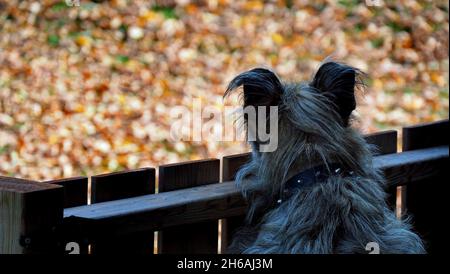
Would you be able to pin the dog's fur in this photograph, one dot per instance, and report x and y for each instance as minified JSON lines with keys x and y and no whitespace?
{"x":341,"y":215}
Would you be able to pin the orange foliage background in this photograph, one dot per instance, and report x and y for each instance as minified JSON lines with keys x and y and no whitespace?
{"x":83,"y":88}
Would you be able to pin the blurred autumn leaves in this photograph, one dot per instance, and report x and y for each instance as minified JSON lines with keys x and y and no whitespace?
{"x":83,"y":88}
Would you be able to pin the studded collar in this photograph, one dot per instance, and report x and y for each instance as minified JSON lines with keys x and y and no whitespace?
{"x":311,"y":176}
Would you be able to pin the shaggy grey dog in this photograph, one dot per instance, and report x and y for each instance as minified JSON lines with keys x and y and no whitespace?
{"x":343,"y":207}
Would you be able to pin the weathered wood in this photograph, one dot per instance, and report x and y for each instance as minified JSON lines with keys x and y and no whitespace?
{"x":29,"y":212}
{"x":75,"y":190}
{"x":200,"y":237}
{"x":232,"y":163}
{"x":410,"y":166}
{"x":188,"y":174}
{"x":386,"y":143}
{"x":223,"y":200}
{"x":425,"y":135}
{"x":417,"y":173}
{"x":164,"y":210}
{"x":230,"y":166}
{"x":425,"y":198}
{"x":120,"y":185}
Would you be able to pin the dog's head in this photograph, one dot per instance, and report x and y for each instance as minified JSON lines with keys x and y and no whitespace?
{"x":317,"y":110}
{"x":312,"y":128}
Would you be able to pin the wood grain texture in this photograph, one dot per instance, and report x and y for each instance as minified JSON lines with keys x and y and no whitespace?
{"x":188,"y":174}
{"x":75,"y":190}
{"x":232,"y":163}
{"x":425,"y":198}
{"x":230,"y":166}
{"x":425,"y":135}
{"x":384,"y":141}
{"x":120,"y":185}
{"x":223,"y":200}
{"x":200,"y":237}
{"x":29,"y":210}
{"x":11,"y":225}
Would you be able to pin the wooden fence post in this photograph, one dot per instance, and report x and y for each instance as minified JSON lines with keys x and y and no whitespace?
{"x":30,"y":211}
{"x":425,"y":199}
{"x":75,"y":191}
{"x":193,"y":238}
{"x":230,"y":166}
{"x":121,"y":185}
{"x":386,"y":143}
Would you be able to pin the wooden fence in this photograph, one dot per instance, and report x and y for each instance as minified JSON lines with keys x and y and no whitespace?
{"x":195,"y":210}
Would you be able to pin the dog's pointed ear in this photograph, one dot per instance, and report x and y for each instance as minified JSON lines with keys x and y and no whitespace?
{"x":338,"y":82}
{"x":261,"y":87}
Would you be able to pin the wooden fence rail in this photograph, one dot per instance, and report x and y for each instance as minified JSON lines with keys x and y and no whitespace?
{"x":38,"y":217}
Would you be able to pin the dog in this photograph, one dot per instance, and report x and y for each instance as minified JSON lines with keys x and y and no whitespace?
{"x":318,"y":192}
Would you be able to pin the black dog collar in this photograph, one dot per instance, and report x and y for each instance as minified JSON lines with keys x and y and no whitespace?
{"x":312,"y":176}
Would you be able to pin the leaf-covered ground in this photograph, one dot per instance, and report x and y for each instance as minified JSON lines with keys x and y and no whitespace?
{"x":83,"y":88}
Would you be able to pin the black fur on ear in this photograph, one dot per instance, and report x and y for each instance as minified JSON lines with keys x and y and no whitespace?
{"x":261,"y":87}
{"x":337,"y":82}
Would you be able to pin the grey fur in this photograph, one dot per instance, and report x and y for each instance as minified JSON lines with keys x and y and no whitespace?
{"x":338,"y":216}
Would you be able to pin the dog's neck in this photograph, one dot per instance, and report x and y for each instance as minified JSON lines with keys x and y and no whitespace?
{"x":302,"y":165}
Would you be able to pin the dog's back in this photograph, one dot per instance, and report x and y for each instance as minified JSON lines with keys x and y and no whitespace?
{"x":337,"y":216}
{"x":338,"y":213}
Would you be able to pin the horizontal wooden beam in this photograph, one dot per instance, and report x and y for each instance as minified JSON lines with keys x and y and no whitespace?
{"x":156,"y":211}
{"x":411,"y":166}
{"x":221,"y":200}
